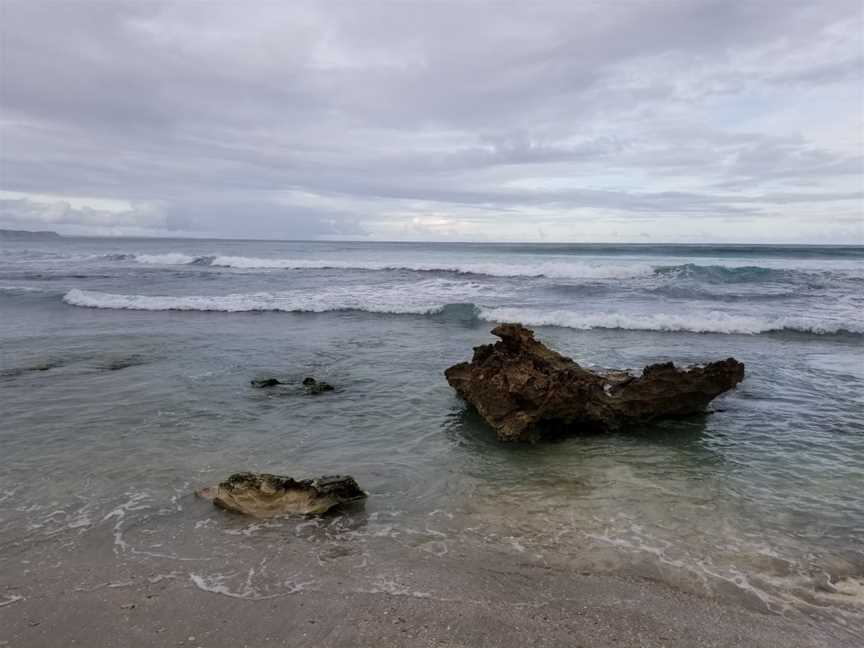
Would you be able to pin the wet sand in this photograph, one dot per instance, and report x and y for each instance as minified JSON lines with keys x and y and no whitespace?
{"x":474,"y":604}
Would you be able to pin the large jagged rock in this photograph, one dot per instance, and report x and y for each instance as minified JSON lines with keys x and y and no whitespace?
{"x":264,"y":495}
{"x":524,"y":389}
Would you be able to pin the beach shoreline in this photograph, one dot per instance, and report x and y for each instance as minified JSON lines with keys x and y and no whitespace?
{"x":525,"y":604}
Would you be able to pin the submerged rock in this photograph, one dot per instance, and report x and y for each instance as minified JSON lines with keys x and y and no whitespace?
{"x":264,"y":495}
{"x":116,"y":364}
{"x":265,"y":382}
{"x":315,"y":386}
{"x":523,"y":389}
{"x":14,"y":372}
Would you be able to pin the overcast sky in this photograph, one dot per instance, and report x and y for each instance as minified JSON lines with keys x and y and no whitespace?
{"x":696,"y":120}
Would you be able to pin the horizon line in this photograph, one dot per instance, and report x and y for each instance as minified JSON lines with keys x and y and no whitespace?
{"x":461,"y":242}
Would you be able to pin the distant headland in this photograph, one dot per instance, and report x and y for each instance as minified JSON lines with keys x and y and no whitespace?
{"x":26,"y":235}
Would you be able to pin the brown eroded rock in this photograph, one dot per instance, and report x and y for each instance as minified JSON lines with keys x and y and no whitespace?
{"x":264,"y":495}
{"x":522,"y":388}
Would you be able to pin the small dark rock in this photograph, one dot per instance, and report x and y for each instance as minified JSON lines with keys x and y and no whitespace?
{"x":123,"y":363}
{"x":265,"y":382}
{"x":315,"y":386}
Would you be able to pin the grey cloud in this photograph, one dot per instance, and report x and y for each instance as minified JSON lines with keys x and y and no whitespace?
{"x":24,"y":211}
{"x":248,"y":218}
{"x":832,"y":72}
{"x":212,"y":114}
{"x":261,"y":219}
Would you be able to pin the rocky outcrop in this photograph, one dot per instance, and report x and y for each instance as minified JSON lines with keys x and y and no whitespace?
{"x":264,"y":495}
{"x":524,"y":390}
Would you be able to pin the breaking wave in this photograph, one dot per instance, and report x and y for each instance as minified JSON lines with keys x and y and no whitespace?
{"x":551,"y":269}
{"x":434,"y":302}
{"x":706,"y":322}
{"x":383,"y":301}
{"x":171,"y":258}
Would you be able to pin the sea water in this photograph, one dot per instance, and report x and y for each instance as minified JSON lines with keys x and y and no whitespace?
{"x":124,"y":385}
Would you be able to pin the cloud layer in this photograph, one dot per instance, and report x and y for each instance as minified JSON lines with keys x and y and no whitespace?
{"x":675,"y":120}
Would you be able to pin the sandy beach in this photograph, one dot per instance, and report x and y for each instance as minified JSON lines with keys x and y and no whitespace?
{"x":490,"y":603}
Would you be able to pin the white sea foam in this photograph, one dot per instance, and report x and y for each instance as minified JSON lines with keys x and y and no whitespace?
{"x":81,"y":520}
{"x":386,"y":585}
{"x":16,"y":289}
{"x":245,"y":588}
{"x":160,"y":577}
{"x":170,"y":258}
{"x":706,"y":322}
{"x":134,"y":503}
{"x":14,"y":598}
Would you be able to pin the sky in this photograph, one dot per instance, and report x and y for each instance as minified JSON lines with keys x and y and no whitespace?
{"x":624,"y":120}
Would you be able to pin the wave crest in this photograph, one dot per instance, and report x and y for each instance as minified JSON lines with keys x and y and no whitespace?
{"x":550,"y":269}
{"x":562,"y":269}
{"x":339,"y":300}
{"x":394,"y":302}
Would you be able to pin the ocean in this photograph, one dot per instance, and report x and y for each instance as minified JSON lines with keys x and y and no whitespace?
{"x":125,"y":368}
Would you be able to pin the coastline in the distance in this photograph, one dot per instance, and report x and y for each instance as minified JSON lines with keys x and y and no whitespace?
{"x":27,"y":235}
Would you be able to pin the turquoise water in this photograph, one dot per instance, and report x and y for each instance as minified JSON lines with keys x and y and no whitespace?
{"x":124,"y":382}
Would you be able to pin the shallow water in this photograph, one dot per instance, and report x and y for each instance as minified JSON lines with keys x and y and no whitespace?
{"x":125,"y":371}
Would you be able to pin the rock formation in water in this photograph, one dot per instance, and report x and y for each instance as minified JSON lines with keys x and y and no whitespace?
{"x":310,"y":385}
{"x":524,"y":389}
{"x":264,"y":495}
{"x":124,"y":362}
{"x":316,"y":386}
